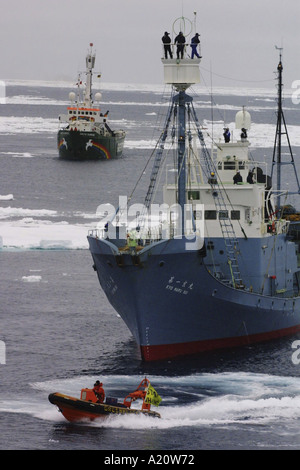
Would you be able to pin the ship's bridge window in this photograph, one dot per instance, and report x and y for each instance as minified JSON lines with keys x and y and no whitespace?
{"x":210,"y":215}
{"x":229,"y":165}
{"x":223,"y":214}
{"x":235,"y":215}
{"x":219,"y":165}
{"x":194,"y":195}
{"x":241,"y":165}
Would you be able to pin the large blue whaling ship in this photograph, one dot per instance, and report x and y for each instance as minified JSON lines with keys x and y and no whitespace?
{"x":217,"y":265}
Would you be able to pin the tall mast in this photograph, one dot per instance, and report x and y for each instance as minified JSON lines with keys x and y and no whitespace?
{"x":277,"y":160}
{"x":181,"y":100}
{"x":90,"y":64}
{"x":181,"y":72}
{"x":279,"y":124}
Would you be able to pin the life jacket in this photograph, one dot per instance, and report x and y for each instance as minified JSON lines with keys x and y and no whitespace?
{"x":99,"y":392}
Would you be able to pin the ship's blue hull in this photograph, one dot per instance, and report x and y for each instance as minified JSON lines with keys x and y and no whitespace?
{"x":173,"y":305}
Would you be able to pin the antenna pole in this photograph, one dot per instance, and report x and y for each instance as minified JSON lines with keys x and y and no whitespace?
{"x":279,"y":133}
{"x":279,"y":123}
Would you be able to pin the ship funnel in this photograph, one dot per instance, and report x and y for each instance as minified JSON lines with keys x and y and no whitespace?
{"x":243,"y":119}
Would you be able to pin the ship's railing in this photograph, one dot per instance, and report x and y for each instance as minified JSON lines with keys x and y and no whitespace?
{"x":225,"y":172}
{"x":85,"y":116}
{"x":95,"y":233}
{"x":143,"y":237}
{"x":186,"y":53}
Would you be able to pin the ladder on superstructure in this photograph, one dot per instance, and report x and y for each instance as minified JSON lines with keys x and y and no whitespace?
{"x":229,"y":236}
{"x":228,"y":233}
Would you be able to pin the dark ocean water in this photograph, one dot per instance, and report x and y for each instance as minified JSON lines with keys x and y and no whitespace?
{"x":61,"y":334}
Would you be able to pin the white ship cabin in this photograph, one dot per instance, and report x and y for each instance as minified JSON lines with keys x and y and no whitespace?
{"x":239,"y":190}
{"x":241,"y":183}
{"x":82,"y":117}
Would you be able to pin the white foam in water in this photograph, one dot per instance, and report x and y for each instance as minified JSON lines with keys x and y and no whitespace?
{"x":34,"y":407}
{"x":252,"y":399}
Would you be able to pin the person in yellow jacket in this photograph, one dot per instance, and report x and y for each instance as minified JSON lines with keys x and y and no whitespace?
{"x":132,"y":241}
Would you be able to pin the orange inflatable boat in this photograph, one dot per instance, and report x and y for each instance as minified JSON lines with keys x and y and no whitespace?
{"x":87,"y":407}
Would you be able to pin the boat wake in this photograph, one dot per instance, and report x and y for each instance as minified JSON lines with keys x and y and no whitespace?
{"x":200,"y":400}
{"x":213,"y":412}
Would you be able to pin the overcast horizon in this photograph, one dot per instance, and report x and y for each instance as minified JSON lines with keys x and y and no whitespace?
{"x":48,"y":40}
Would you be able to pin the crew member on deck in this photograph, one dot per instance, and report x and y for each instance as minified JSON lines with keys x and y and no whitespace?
{"x":180,"y":41}
{"x":243,"y":134}
{"x":212,"y":179}
{"x":194,"y":43}
{"x":167,"y":45}
{"x":250,"y":177}
{"x":226,"y":135}
{"x":237,"y":178}
{"x":99,"y":391}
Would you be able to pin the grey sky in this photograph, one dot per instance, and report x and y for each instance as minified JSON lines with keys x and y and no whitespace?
{"x":48,"y":39}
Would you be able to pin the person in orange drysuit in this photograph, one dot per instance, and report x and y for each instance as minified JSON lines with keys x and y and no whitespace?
{"x":99,"y":391}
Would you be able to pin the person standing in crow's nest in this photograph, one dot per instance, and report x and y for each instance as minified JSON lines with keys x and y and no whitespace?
{"x":167,"y":45}
{"x":180,"y":41}
{"x":194,"y":43}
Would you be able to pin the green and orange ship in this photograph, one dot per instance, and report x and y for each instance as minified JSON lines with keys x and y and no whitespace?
{"x":85,"y":133}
